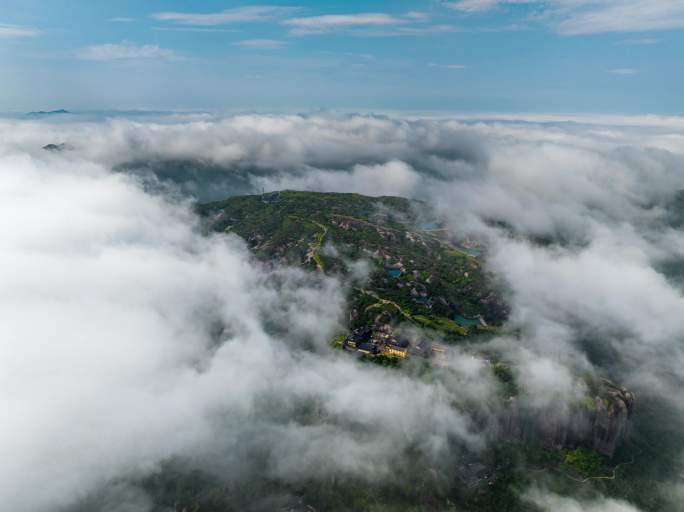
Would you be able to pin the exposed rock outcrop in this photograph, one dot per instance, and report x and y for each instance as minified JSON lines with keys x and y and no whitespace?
{"x":611,"y":417}
{"x":56,"y":147}
{"x":600,"y":421}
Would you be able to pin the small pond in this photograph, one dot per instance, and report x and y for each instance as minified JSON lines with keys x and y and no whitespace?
{"x":393,"y":272}
{"x":466,"y":322}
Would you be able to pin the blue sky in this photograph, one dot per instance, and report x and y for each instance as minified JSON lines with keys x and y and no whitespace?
{"x":612,"y":56}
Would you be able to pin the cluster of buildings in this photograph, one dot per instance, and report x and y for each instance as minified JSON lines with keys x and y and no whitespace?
{"x":368,"y":342}
{"x":383,"y":341}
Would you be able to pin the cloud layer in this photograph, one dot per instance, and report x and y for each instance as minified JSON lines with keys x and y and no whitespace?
{"x":129,"y":338}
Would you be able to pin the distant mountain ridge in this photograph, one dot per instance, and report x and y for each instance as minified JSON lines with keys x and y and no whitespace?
{"x":43,"y":113}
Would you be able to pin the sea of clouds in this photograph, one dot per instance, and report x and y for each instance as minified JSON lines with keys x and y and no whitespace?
{"x":129,"y":338}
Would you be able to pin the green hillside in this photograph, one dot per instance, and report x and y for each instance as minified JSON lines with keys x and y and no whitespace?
{"x":417,"y":272}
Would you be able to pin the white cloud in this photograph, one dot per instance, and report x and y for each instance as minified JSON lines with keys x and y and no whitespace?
{"x":447,"y":66}
{"x":573,"y":17}
{"x":472,"y":5}
{"x":625,"y":16}
{"x":126,"y":51}
{"x":121,"y":19}
{"x":403,"y":30}
{"x":417,"y":15}
{"x":366,"y":24}
{"x":640,"y":41}
{"x":316,"y":24}
{"x":194,"y":29}
{"x":362,"y":56}
{"x":239,"y":15}
{"x":262,"y":44}
{"x":17,"y":31}
{"x":623,"y":71}
{"x":390,"y":179}
{"x":549,"y":502}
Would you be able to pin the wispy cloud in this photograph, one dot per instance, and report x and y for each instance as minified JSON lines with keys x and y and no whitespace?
{"x":363,"y":56}
{"x":625,"y":16}
{"x":331,"y":22}
{"x":17,"y":31}
{"x":122,"y":19}
{"x":447,"y":66}
{"x":623,"y":71}
{"x":126,"y":51}
{"x":416,"y":15}
{"x":350,"y":55}
{"x":640,"y":41}
{"x":262,"y":44}
{"x":371,"y":24}
{"x":424,"y":30}
{"x":575,"y":17}
{"x":472,"y":5}
{"x":239,"y":15}
{"x":194,"y":29}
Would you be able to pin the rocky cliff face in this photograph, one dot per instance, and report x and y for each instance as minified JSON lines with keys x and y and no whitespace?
{"x":611,"y":418}
{"x":600,"y":421}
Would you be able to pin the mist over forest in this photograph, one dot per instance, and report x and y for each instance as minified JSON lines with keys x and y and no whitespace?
{"x":137,"y":345}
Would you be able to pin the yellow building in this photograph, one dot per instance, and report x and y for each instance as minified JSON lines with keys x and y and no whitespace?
{"x":393,"y":350}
